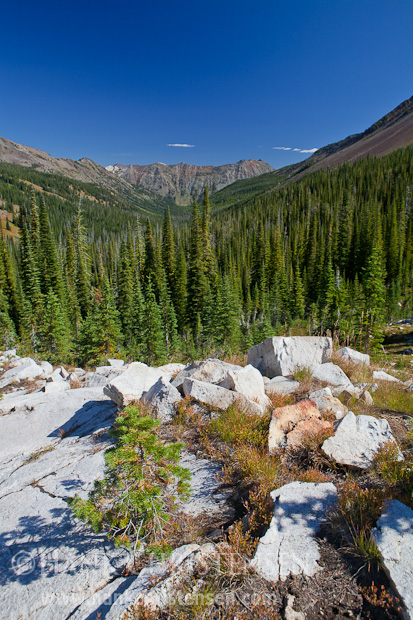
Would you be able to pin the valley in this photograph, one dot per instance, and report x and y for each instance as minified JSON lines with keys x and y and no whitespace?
{"x":252,"y":343}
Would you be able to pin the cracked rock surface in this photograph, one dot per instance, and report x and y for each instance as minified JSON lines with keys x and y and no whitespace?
{"x":289,"y":546}
{"x":53,"y":566}
{"x":52,"y":448}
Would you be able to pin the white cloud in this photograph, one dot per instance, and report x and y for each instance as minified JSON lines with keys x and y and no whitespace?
{"x":187,"y":146}
{"x":289,"y":148}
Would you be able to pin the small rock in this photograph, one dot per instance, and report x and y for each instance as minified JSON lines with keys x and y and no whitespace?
{"x":62,"y":370}
{"x":47,"y":368}
{"x":289,"y":546}
{"x":58,"y":375}
{"x":56,"y":386}
{"x":332,"y":374}
{"x":328,"y":404}
{"x":350,"y":355}
{"x":289,"y":611}
{"x":394,"y":539}
{"x":380,"y":375}
{"x":162,"y":397}
{"x":367,"y":398}
{"x":248,"y":382}
{"x":74,"y":380}
{"x":281,"y":385}
{"x":115,"y":363}
{"x":131,"y":384}
{"x":283,"y":355}
{"x":216,"y":396}
{"x":357,"y":439}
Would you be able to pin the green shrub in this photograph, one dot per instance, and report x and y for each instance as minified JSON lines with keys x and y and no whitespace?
{"x":142,"y":482}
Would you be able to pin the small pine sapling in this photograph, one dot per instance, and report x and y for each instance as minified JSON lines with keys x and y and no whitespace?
{"x":142,"y":483}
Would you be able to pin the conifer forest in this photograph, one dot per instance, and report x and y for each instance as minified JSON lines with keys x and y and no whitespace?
{"x":331,"y":253}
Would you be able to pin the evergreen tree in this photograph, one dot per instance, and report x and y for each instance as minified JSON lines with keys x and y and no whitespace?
{"x":168,"y":250}
{"x":374,"y":289}
{"x":197,"y":281}
{"x":153,"y":336}
{"x":55,"y":335}
{"x":298,"y":301}
{"x":180,"y":290}
{"x":100,"y":334}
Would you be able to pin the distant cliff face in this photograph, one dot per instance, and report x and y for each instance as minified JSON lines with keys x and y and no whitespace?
{"x":184,"y":182}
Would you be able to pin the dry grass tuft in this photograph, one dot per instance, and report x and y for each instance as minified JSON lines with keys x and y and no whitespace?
{"x":357,"y":373}
{"x":246,"y":459}
{"x":354,"y":517}
{"x":281,"y":400}
{"x":396,"y":474}
{"x":304,"y":376}
{"x":312,"y":475}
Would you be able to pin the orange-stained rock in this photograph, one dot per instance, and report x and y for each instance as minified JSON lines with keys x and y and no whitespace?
{"x":285,"y":419}
{"x":307,"y":429}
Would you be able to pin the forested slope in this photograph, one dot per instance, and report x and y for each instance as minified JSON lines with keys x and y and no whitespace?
{"x":391,"y":132}
{"x":104,"y":210}
{"x":331,"y":252}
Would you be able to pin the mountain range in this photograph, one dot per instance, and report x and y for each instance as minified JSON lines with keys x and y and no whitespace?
{"x":152,"y":187}
{"x":184,"y":182}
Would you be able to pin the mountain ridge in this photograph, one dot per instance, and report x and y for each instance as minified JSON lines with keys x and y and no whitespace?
{"x":183,"y":182}
{"x":392,"y":131}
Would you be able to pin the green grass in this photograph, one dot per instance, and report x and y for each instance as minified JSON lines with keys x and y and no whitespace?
{"x":394,"y":397}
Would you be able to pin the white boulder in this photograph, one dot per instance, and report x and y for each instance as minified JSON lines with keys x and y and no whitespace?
{"x":162,"y":398}
{"x":281,"y":385}
{"x":283,"y":355}
{"x":155,"y":587}
{"x":47,"y":368}
{"x":328,"y":404}
{"x":332,"y":374}
{"x":394,"y":539}
{"x":217,"y":396}
{"x":40,"y":420}
{"x":289,"y":546}
{"x":27,"y":370}
{"x":381,"y":375}
{"x":248,"y":382}
{"x":172,"y":369}
{"x":353,"y":356}
{"x":115,"y":363}
{"x":210,"y":371}
{"x":60,"y":374}
{"x":56,"y":386}
{"x":131,"y":384}
{"x":357,"y":439}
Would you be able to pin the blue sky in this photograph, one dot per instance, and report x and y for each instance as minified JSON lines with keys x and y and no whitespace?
{"x":119,"y":82}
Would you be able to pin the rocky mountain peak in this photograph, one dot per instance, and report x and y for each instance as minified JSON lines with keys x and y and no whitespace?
{"x":184,"y":182}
